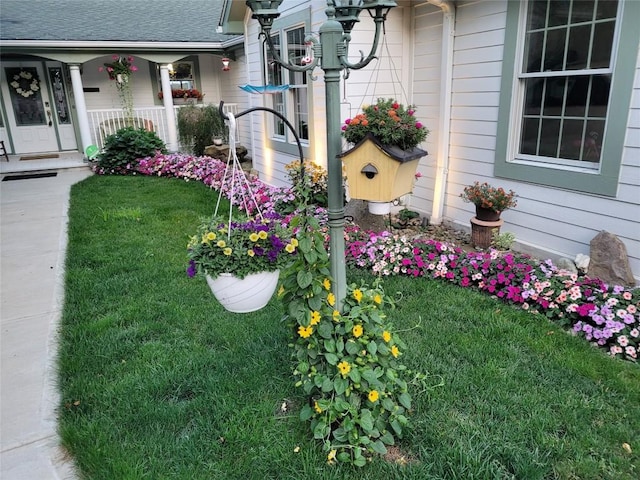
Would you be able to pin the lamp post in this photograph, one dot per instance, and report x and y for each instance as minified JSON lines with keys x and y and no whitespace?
{"x":330,"y":53}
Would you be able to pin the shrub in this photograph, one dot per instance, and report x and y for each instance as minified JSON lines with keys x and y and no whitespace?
{"x":123,"y":148}
{"x":198,"y":125}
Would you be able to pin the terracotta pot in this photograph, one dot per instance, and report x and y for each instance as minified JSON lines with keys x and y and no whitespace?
{"x":487,"y":214}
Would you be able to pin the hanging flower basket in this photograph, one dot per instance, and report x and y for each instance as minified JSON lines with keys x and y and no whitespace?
{"x":244,"y":295}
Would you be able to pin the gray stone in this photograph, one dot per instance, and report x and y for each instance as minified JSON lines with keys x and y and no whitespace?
{"x":359,"y":211}
{"x":567,"y":265}
{"x":221,"y":152}
{"x":609,"y":261}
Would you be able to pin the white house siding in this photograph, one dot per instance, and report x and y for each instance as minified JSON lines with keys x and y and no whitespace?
{"x":547,"y":221}
{"x":389,"y":76}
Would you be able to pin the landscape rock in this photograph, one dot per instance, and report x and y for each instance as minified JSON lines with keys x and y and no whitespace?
{"x":567,"y":265}
{"x":582,"y":262}
{"x":609,"y":261}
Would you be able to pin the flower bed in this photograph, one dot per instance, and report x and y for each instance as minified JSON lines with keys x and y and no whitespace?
{"x":607,"y":316}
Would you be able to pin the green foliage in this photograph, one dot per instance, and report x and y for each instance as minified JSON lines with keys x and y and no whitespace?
{"x":309,"y":183}
{"x":198,"y":126}
{"x":502,"y":241}
{"x":346,"y":361}
{"x":124,"y":147}
{"x":240,"y":247}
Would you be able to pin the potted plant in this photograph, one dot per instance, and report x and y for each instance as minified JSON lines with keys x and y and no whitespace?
{"x":490,"y":201}
{"x":184,"y":96}
{"x":382,"y":164}
{"x":241,"y":259}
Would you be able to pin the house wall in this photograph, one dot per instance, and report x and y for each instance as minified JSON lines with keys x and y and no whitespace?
{"x":547,"y":221}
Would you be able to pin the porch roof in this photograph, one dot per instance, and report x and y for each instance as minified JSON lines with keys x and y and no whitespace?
{"x":162,"y":21}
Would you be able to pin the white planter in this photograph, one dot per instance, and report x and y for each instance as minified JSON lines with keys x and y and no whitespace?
{"x":244,"y":295}
{"x":380,"y":208}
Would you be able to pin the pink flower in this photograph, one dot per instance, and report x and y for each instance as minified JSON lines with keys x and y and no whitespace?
{"x":347,"y":121}
{"x":418,"y":125}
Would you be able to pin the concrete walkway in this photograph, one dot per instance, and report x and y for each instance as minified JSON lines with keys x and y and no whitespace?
{"x":33,"y":232}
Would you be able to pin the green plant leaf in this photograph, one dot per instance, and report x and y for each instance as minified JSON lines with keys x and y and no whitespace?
{"x":340,"y":385}
{"x":332,"y":358}
{"x":354,"y":375}
{"x":366,"y":420}
{"x":379,"y":447}
{"x":387,"y":438}
{"x":405,"y":400}
{"x":330,"y":345}
{"x":315,"y":303}
{"x":304,"y":278}
{"x":395,"y":424}
{"x":352,"y":347}
{"x":325,"y":330}
{"x":321,"y":430}
{"x":306,"y":413}
{"x":372,"y":348}
{"x":327,"y":385}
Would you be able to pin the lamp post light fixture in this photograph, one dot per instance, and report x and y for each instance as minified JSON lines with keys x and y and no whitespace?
{"x":330,"y":53}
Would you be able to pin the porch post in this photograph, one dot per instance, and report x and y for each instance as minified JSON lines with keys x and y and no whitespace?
{"x":81,"y":106}
{"x":167,"y":100}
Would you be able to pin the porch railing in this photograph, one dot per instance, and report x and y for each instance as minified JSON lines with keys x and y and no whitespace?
{"x":106,"y":122}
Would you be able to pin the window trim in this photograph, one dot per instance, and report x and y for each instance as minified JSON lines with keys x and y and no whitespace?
{"x":603,"y":181}
{"x":156,"y":82}
{"x":281,"y":26}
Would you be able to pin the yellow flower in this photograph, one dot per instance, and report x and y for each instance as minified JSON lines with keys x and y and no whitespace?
{"x":305,"y":332}
{"x":315,"y":318}
{"x":227,"y":251}
{"x":294,"y":242}
{"x":254,"y":237}
{"x":373,"y":396}
{"x":331,"y":299}
{"x":221,"y":243}
{"x":211,"y":236}
{"x":357,"y":331}
{"x":281,"y":291}
{"x":331,"y":458}
{"x":251,"y":253}
{"x":377,"y":299}
{"x":262,"y":234}
{"x":386,"y":336}
{"x":344,"y":368}
{"x":336,"y":315}
{"x":326,"y":283}
{"x":290,"y":248}
{"x":316,"y":407}
{"x":395,"y":352}
{"x":357,"y":294}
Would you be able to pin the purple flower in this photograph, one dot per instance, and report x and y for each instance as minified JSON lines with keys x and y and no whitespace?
{"x":191,"y":270}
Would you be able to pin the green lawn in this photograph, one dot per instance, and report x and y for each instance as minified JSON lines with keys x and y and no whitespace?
{"x":158,"y":381}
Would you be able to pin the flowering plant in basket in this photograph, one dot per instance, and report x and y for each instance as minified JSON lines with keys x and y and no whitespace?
{"x":184,"y":93}
{"x":484,"y":195}
{"x":389,"y":121}
{"x":241,"y":247}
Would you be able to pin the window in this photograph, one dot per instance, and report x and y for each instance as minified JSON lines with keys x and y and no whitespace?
{"x":292,"y":103}
{"x":566,"y":78}
{"x":567,"y":81}
{"x":181,"y":76}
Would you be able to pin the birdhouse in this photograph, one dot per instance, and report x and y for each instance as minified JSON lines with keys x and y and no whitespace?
{"x":380,"y":173}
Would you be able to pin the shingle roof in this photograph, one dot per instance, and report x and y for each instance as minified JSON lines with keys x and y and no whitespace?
{"x":112,"y":20}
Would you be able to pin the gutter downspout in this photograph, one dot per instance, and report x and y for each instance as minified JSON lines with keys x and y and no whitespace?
{"x":446,"y":67}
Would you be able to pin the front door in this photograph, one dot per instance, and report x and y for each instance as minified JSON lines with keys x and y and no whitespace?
{"x":28,"y":107}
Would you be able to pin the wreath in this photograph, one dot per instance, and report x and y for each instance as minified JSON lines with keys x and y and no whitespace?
{"x":25,"y":84}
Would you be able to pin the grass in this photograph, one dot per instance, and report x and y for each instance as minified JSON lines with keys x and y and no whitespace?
{"x":159,"y":382}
